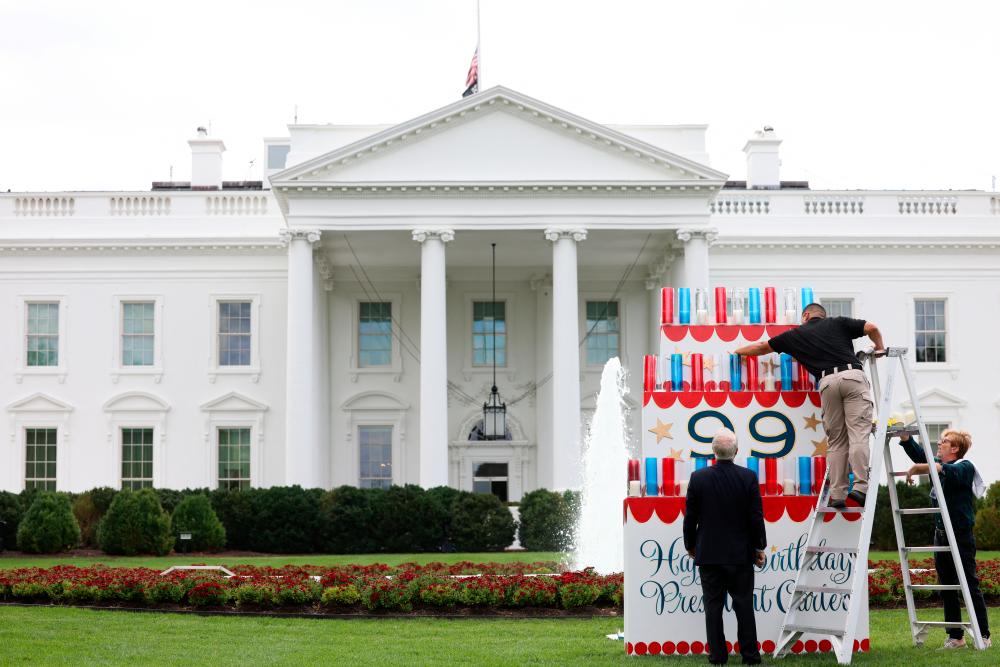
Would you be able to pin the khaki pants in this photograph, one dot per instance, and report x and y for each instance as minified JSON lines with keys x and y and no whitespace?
{"x":847,"y":420}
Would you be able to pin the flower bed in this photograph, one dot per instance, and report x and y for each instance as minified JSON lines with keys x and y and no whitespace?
{"x":433,"y":588}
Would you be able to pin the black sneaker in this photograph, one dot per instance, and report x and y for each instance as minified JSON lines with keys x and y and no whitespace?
{"x":857,"y":497}
{"x":838,"y":504}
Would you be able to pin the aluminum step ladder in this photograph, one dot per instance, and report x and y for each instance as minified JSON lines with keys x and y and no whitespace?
{"x":842,"y":637}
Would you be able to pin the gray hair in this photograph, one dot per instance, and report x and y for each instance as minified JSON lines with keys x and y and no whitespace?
{"x":724,"y":444}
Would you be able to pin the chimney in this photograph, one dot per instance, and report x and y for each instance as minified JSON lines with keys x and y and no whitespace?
{"x":763,"y":163}
{"x":206,"y":161}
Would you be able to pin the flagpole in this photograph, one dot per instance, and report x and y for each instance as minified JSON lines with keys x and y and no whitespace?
{"x":479,"y":47}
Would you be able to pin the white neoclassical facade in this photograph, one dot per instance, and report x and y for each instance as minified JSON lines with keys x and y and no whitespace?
{"x":333,"y":324}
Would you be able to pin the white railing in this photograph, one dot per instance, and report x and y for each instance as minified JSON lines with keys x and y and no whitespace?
{"x":855,"y":204}
{"x":729,"y":204}
{"x":236,"y":204}
{"x":823,"y":204}
{"x":928,"y":205}
{"x":44,"y":206}
{"x":139,"y":205}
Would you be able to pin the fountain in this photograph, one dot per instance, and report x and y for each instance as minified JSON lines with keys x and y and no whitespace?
{"x":598,"y":540}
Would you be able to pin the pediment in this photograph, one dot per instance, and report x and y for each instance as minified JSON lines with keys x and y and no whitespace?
{"x":937,"y":398}
{"x":233,"y":402}
{"x":136,"y":401}
{"x":39,"y":402}
{"x":374,"y":400}
{"x":498,"y":136}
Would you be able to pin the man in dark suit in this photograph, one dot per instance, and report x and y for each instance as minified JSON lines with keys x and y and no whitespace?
{"x":724,"y":533}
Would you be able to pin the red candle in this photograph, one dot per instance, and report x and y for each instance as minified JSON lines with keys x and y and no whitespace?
{"x":720,"y":305}
{"x":633,"y":470}
{"x":697,"y":372}
{"x":667,"y":305}
{"x":752,"y":381}
{"x":669,"y":477}
{"x":819,"y":472}
{"x":805,"y":381}
{"x":772,"y":485}
{"x":649,"y":372}
{"x":770,"y":305}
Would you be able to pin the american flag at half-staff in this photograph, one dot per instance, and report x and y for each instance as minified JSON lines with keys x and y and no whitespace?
{"x":472,"y":79}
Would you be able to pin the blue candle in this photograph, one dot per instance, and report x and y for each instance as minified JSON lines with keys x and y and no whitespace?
{"x":805,"y":476}
{"x":677,"y":372}
{"x":700,"y":462}
{"x":684,"y":305}
{"x":807,"y":296}
{"x":786,"y":372}
{"x":753,"y":463}
{"x":651,"y":487}
{"x":735,"y":373}
{"x":754,"y":305}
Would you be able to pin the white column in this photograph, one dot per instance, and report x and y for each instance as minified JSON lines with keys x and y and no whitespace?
{"x":696,"y":242}
{"x":542,"y":287}
{"x":566,"y":451}
{"x":433,"y":357}
{"x":302,"y":448}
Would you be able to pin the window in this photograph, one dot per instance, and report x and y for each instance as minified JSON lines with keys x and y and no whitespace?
{"x":603,"y":328}
{"x":138,"y":333}
{"x":930,"y":330}
{"x":234,"y":333}
{"x":137,"y":458}
{"x":40,"y":458}
{"x":934,"y":431}
{"x":374,"y":334}
{"x":490,"y":478}
{"x":277,"y":154}
{"x":838,"y":307}
{"x":376,"y":456}
{"x":43,"y":334}
{"x":234,"y":458}
{"x":485,"y":316}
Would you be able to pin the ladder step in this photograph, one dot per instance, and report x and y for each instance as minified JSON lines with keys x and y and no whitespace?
{"x":895,"y":432}
{"x":857,"y":509}
{"x":823,"y":589}
{"x":832,"y":550}
{"x":920,"y":510}
{"x":793,"y":627}
{"x":936,"y":587}
{"x":926,"y":550}
{"x":944,"y":624}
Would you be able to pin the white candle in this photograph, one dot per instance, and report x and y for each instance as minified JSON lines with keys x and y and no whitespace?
{"x":789,"y":487}
{"x":790,"y":317}
{"x":634,"y":488}
{"x":682,"y":488}
{"x":702,"y":317}
{"x":737,"y":316}
{"x":769,"y":382}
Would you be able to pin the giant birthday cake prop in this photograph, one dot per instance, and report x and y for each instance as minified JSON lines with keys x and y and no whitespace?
{"x":691,"y":388}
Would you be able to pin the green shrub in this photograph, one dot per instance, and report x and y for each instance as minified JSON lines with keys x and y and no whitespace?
{"x":209,"y":594}
{"x":341,"y":595}
{"x":486,"y":591}
{"x":347,"y":512}
{"x":49,"y":525}
{"x":286,"y":519}
{"x":256,"y":595}
{"x":135,"y":523}
{"x":165,"y":590}
{"x":11,"y":511}
{"x":169,"y":499}
{"x":580,"y":594}
{"x":535,"y":592}
{"x":548,"y":520}
{"x":444,"y":497}
{"x":408,"y":520}
{"x":233,"y":507}
{"x":992,"y":498}
{"x":302,"y":593}
{"x":480,"y":522}
{"x":382,"y":593}
{"x":987,"y":528}
{"x":439,"y":592}
{"x":194,"y":514}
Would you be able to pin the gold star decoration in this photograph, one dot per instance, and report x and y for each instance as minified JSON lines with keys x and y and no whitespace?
{"x":774,"y":549}
{"x":770,"y":365}
{"x":674,"y":453}
{"x":821,"y":446}
{"x":709,"y":363}
{"x":661,"y":431}
{"x":685,"y":356}
{"x":812,"y":422}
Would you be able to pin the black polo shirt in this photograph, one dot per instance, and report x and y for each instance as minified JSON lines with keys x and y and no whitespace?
{"x":821,"y":343}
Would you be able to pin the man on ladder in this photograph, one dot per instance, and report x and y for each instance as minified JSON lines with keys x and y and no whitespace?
{"x":825,"y":347}
{"x":961,"y":484}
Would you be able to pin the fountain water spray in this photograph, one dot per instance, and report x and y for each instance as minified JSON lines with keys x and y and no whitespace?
{"x":599,"y":540}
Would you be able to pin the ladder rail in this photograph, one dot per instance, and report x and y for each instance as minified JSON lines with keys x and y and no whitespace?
{"x":943,"y":506}
{"x":897,"y":522}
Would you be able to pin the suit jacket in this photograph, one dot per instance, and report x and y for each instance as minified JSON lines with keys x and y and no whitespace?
{"x":724,"y":519}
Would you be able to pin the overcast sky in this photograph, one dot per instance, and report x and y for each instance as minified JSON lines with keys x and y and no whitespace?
{"x":872,"y":94}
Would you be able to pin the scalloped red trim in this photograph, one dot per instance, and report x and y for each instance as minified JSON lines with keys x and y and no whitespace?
{"x":739,"y":399}
{"x":667,"y":509}
{"x":726,"y":332}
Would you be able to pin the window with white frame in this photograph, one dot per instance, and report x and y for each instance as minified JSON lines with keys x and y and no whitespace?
{"x":234,"y":458}
{"x":491,"y":478}
{"x":603,"y":332}
{"x":40,"y":455}
{"x":374,"y":333}
{"x":930,"y":329}
{"x":489,"y":333}
{"x":838,"y":307}
{"x":375,"y":443}
{"x":137,"y":458}
{"x":234,"y":332}
{"x":42,"y":334}
{"x":138,"y":333}
{"x":934,"y":431}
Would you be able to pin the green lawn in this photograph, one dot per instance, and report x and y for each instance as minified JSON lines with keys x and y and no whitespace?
{"x":8,"y":562}
{"x":66,"y":636}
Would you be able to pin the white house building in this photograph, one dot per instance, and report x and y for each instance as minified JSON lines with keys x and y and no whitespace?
{"x":333,"y":324}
